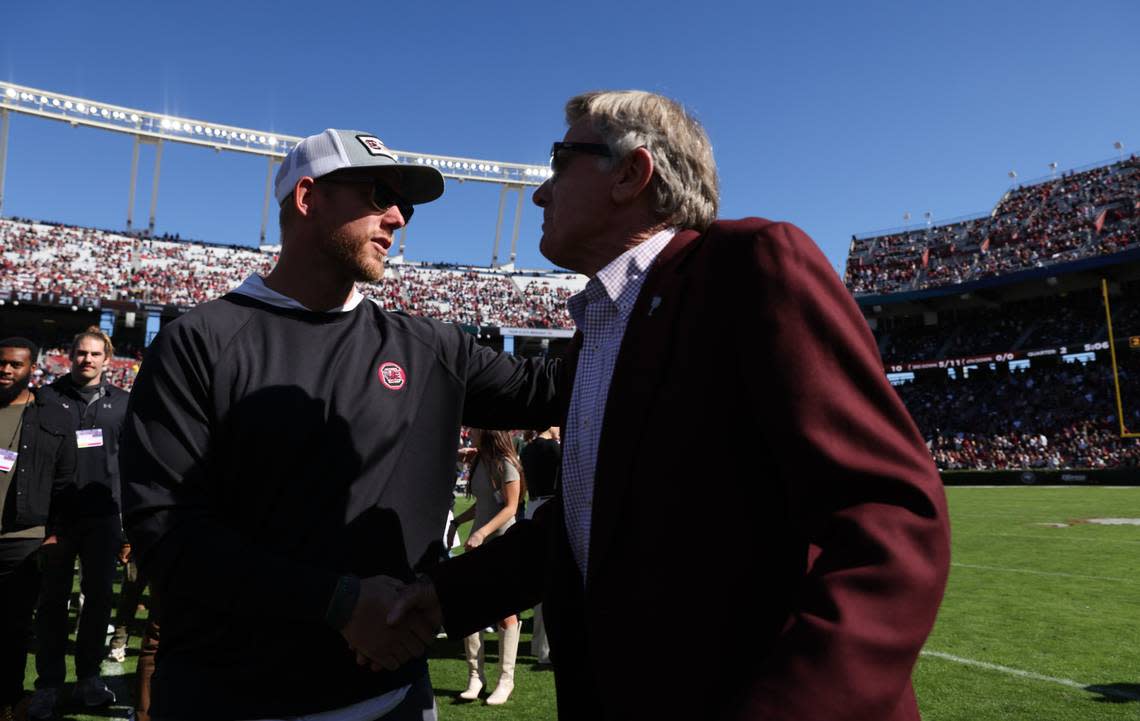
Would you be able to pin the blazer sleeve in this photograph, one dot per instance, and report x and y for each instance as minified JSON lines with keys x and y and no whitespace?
{"x":499,"y":578}
{"x":862,"y":485}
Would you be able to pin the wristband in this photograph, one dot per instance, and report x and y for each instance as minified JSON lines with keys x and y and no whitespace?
{"x":343,"y":602}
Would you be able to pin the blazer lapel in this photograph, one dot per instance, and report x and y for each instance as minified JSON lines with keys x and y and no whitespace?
{"x":569,"y":370}
{"x":642,"y":366}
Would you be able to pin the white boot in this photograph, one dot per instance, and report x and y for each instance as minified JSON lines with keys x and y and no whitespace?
{"x":473,"y":649}
{"x":508,"y":650}
{"x":539,"y":645}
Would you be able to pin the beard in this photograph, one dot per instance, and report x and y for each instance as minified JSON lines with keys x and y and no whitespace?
{"x":350,"y":252}
{"x":12,"y":392}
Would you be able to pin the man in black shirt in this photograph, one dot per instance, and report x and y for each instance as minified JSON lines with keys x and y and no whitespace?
{"x":287,"y":463}
{"x":37,"y":461}
{"x":89,"y":528}
{"x":541,"y":460}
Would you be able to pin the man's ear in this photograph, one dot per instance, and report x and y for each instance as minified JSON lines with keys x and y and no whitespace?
{"x":633,"y":177}
{"x":304,"y":196}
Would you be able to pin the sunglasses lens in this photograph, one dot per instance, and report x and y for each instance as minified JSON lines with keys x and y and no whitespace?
{"x":557,"y":161}
{"x":385,"y":198}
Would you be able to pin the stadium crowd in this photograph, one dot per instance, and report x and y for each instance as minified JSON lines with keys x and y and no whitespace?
{"x":1074,"y":216}
{"x":1077,"y":317}
{"x":1044,"y":417}
{"x":72,"y":261}
{"x":482,"y":298}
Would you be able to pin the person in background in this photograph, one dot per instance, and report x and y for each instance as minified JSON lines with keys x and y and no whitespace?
{"x":130,"y":595}
{"x":498,"y":483}
{"x":37,"y":463}
{"x":541,"y":461}
{"x":89,"y":528}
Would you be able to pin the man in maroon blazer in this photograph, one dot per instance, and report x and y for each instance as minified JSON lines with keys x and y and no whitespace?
{"x":790,"y":568}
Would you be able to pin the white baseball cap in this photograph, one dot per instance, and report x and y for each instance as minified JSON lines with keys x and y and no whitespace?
{"x":332,"y":150}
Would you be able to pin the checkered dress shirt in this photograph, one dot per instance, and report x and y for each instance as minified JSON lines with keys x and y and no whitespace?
{"x":601,"y":311}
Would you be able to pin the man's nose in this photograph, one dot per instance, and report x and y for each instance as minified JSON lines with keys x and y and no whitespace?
{"x":395,"y":217}
{"x":542,"y":195}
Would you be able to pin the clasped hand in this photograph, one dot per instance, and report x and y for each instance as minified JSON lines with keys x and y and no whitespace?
{"x":392,"y":622}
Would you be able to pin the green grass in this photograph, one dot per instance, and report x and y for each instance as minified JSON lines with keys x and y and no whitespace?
{"x":1062,"y":603}
{"x":1058,"y":602}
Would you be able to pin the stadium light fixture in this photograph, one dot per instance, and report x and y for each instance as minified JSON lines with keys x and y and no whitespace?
{"x":161,"y":126}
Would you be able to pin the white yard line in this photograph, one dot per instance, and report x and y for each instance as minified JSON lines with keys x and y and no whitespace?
{"x":1056,"y":574}
{"x":1116,"y":693}
{"x":1060,"y":537}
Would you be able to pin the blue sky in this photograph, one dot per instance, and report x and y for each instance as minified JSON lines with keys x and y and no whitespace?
{"x":836,"y":116}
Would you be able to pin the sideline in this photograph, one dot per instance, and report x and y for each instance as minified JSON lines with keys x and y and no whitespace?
{"x":1033,"y":485}
{"x":1091,"y":688}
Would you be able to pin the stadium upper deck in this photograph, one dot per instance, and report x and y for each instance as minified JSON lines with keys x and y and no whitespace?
{"x":1077,"y":215}
{"x":100,"y":265}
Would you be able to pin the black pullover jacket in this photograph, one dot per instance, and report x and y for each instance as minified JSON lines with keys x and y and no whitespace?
{"x":269,"y":451}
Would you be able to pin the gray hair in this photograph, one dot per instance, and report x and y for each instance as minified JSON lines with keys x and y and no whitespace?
{"x":685,"y":186}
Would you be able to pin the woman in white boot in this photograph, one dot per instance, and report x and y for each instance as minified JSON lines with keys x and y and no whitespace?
{"x":497,"y":483}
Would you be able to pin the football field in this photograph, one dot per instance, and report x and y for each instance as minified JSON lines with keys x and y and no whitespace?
{"x":1041,"y":618}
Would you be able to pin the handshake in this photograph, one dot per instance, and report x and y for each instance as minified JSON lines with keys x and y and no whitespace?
{"x":392,"y":622}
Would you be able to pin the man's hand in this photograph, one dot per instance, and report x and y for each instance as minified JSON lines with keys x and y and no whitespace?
{"x":417,"y":603}
{"x":51,"y":540}
{"x":378,"y":643}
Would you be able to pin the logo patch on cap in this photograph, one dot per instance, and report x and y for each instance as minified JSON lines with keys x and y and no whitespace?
{"x":392,"y":376}
{"x":373,"y":145}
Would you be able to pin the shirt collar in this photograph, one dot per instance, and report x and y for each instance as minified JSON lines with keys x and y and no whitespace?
{"x":631,"y":266}
{"x":620,"y":281}
{"x":81,"y":391}
{"x":255,"y":287}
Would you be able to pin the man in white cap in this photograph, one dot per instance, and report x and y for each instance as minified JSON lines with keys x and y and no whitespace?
{"x":287,"y":463}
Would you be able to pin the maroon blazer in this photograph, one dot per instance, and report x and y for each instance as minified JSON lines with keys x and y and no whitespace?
{"x":769,"y":536}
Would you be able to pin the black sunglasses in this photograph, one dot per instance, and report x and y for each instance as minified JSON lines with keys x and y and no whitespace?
{"x":382,"y":197}
{"x":559,"y":152}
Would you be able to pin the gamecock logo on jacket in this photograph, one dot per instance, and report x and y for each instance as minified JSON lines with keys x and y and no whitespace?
{"x":392,"y":376}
